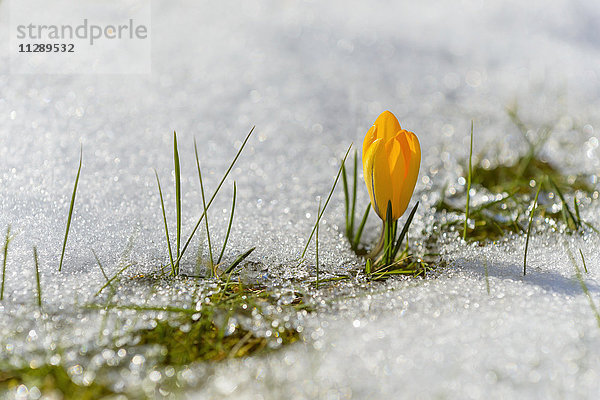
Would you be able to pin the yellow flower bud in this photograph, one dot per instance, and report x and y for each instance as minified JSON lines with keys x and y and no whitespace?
{"x":391,"y":159}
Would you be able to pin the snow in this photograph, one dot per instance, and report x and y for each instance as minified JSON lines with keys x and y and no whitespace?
{"x":313,"y":78}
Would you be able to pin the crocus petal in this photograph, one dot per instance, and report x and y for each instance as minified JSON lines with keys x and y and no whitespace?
{"x":415,"y":154}
{"x":412,"y":171}
{"x":378,"y":178}
{"x":410,"y":147}
{"x":368,"y":170}
{"x":398,"y":172}
{"x":387,"y":126}
{"x":370,"y":137}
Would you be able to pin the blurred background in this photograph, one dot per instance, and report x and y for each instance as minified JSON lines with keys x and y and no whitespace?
{"x":312,"y":76}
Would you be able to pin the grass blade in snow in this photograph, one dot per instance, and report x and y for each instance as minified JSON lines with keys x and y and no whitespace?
{"x":162,"y":204}
{"x":469,"y":173}
{"x":229,"y":225}
{"x":326,"y":202}
{"x":205,"y":213}
{"x":529,"y":227}
{"x":177,"y":195}
{"x":238,"y":260}
{"x":62,"y":255}
{"x":214,"y":194}
{"x":37,"y":277}
{"x":6,"y":241}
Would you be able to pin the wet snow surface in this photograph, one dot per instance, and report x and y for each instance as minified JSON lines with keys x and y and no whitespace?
{"x":312,"y":79}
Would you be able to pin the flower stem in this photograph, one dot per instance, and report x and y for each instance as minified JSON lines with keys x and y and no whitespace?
{"x":468,"y":185}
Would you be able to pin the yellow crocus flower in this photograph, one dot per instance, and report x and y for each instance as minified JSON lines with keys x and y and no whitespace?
{"x":391,"y":159}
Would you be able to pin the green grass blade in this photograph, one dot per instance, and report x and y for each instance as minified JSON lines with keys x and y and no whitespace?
{"x":199,"y":258}
{"x":393,"y":236}
{"x":5,"y":251}
{"x":125,"y":255}
{"x":100,"y":265}
{"x":112,"y":279}
{"x":238,"y":260}
{"x":565,"y":208}
{"x":110,"y":306}
{"x":583,"y":261}
{"x":494,"y":202}
{"x":214,"y":194}
{"x":404,"y":230}
{"x":177,"y":195}
{"x":368,"y":267}
{"x":212,"y":263}
{"x":162,"y":204}
{"x":106,"y":307}
{"x":523,"y":129}
{"x":224,"y":288}
{"x":533,"y":208}
{"x":469,"y":173}
{"x":389,"y":238}
{"x":576,"y":207}
{"x":361,"y":227}
{"x":317,"y":246}
{"x":440,"y":203}
{"x":62,"y":255}
{"x":37,"y":277}
{"x":229,"y":225}
{"x":592,"y":227}
{"x":585,"y":289}
{"x":346,"y":203}
{"x":352,"y":209}
{"x":326,"y":202}
{"x":545,"y":134}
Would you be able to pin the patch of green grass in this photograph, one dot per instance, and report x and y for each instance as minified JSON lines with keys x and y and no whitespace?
{"x":206,"y":335}
{"x":488,"y":221}
{"x":514,"y":185}
{"x":494,"y":219}
{"x":204,"y":340}
{"x":517,"y":177}
{"x":406,"y":265}
{"x":529,"y":166}
{"x":51,"y":382}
